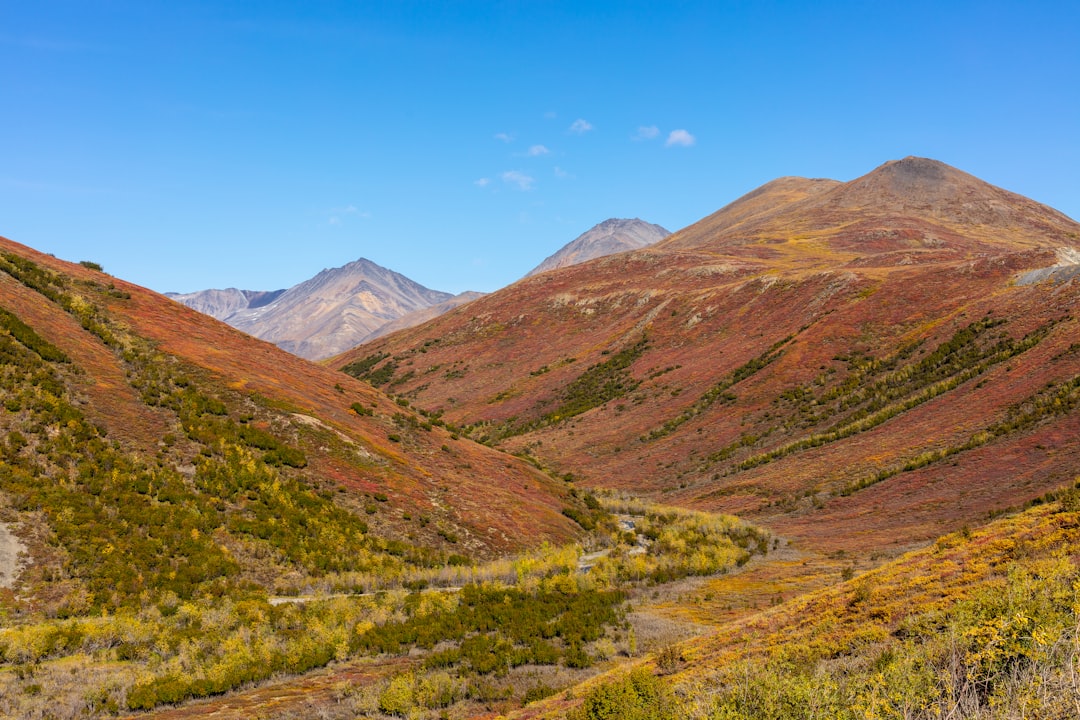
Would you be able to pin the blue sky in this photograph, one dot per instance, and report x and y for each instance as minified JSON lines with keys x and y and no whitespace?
{"x":189,"y":145}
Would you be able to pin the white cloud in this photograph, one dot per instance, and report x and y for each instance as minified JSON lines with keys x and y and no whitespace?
{"x":337,"y":213}
{"x":560,"y":173}
{"x":580,"y":127}
{"x":647,"y":132}
{"x":537,"y":150}
{"x":681,"y":138}
{"x":516,"y":177}
{"x":505,"y":137}
{"x":482,"y":182}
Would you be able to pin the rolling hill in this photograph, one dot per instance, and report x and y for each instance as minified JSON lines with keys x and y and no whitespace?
{"x":814,"y":354}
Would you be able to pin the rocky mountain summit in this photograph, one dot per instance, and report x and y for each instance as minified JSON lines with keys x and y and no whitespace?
{"x":223,"y":303}
{"x":609,"y":237}
{"x":322,"y":316}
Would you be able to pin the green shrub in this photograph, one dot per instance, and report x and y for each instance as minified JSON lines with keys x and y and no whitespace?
{"x":398,"y":698}
{"x":638,"y":696}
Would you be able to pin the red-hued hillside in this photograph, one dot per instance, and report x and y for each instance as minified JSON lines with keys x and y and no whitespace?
{"x":853,"y":363}
{"x":486,"y":501}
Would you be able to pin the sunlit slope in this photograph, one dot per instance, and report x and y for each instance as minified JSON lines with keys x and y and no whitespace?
{"x":811,"y":354}
{"x":979,"y":624}
{"x":233,"y":461}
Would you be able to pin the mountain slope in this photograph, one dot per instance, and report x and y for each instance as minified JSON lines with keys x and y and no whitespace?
{"x":324,"y":315}
{"x":607,"y":238}
{"x":813,"y":352}
{"x":417,"y":317}
{"x":168,"y":475}
{"x":979,"y":624}
{"x":221,"y":304}
{"x":138,"y":368}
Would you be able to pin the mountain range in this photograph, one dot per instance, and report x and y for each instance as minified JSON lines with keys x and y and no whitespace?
{"x":342,"y":307}
{"x":880,"y":377}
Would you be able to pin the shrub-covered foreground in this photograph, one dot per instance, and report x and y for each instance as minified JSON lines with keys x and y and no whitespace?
{"x":983,"y":624}
{"x":538,"y":610}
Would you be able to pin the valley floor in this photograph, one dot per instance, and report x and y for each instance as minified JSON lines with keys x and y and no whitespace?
{"x":664,"y":615}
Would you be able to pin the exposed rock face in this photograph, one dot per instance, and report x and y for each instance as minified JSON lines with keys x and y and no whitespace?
{"x":323,"y":316}
{"x":223,"y":303}
{"x":609,"y":237}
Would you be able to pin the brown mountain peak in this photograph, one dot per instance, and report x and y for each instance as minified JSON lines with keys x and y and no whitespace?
{"x":901,"y":205}
{"x":918,"y":169}
{"x":913,"y":183}
{"x":928,"y":190}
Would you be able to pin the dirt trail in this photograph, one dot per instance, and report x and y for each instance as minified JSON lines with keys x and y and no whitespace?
{"x":10,"y":562}
{"x":296,"y":696}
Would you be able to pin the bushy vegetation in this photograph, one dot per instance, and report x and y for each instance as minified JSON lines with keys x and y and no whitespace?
{"x":22,"y":333}
{"x":495,"y":628}
{"x":669,"y":543}
{"x":994,"y":636}
{"x":639,"y":695}
{"x":982,"y":624}
{"x":165,"y":562}
{"x":719,"y":391}
{"x":872,"y":390}
{"x":1056,"y":399}
{"x":601,"y":383}
{"x":126,"y":526}
{"x":598,"y":384}
{"x":364,"y":369}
